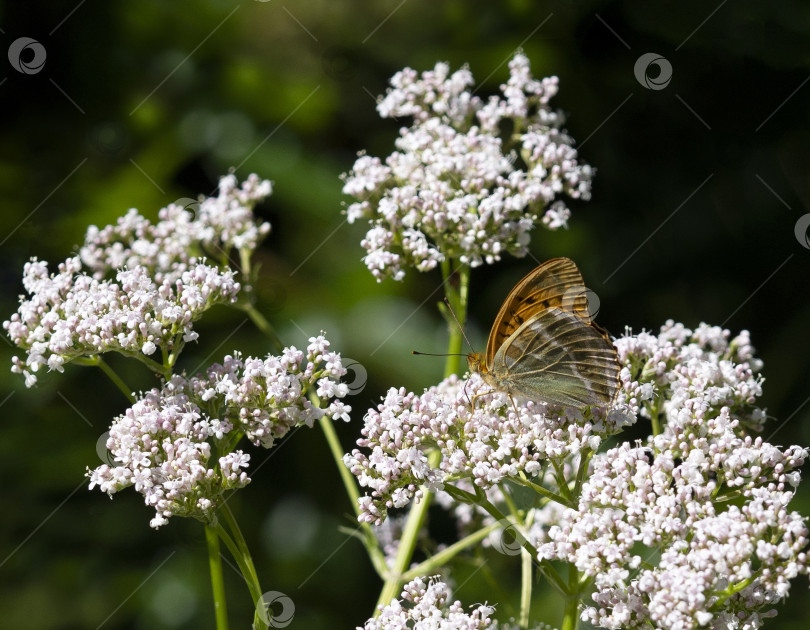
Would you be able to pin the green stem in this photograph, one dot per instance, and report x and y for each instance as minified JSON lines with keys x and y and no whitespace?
{"x":544,"y":566}
{"x":510,"y":503}
{"x":544,"y":492}
{"x":168,"y":364}
{"x":113,"y":376}
{"x":238,"y":556}
{"x":584,"y":462}
{"x":571,"y":612}
{"x":244,"y":558}
{"x":244,"y":262}
{"x":441,"y":558}
{"x":264,"y":326}
{"x":246,"y":570}
{"x":217,"y":581}
{"x":723,"y":595}
{"x":526,"y":559}
{"x":350,"y":483}
{"x":456,"y":289}
{"x":525,"y":587}
{"x":153,"y":365}
{"x":407,"y":543}
{"x":493,"y":511}
{"x":336,"y":449}
{"x":562,"y":482}
{"x":654,"y":411}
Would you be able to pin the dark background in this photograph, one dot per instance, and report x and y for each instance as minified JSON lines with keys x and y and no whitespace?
{"x":698,"y":189}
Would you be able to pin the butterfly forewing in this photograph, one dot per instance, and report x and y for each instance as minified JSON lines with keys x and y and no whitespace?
{"x":556,"y":283}
{"x":557,"y":358}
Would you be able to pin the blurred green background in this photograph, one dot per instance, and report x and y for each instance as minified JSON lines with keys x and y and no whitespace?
{"x":698,"y":189}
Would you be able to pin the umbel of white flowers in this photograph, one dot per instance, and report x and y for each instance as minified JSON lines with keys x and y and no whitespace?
{"x":456,"y":187}
{"x":163,"y":444}
{"x":689,"y":528}
{"x":137,"y":287}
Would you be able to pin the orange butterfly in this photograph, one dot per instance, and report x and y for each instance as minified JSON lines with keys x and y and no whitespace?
{"x":545,"y":346}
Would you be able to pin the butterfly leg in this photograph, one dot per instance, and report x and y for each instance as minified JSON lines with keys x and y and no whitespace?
{"x":476,"y":396}
{"x":514,"y":406}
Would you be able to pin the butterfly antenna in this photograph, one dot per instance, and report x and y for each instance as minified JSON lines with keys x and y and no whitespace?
{"x":460,"y":327}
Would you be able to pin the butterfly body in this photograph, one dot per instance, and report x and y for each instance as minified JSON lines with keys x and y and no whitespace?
{"x":544,"y":345}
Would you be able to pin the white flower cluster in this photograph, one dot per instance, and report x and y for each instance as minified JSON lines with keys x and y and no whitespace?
{"x":164,"y":444}
{"x":70,"y":314}
{"x":212,"y":227}
{"x":658,"y":532}
{"x":424,"y":607}
{"x":679,"y":365}
{"x":163,"y":447}
{"x":265,"y":398}
{"x":137,"y":286}
{"x":691,"y":528}
{"x":486,"y":444}
{"x":456,"y":187}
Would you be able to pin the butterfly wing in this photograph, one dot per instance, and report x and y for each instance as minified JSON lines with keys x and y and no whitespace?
{"x":558,"y":358}
{"x":556,"y":283}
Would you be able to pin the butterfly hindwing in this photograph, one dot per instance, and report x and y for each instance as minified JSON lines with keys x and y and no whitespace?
{"x":557,"y":283}
{"x":557,"y":358}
